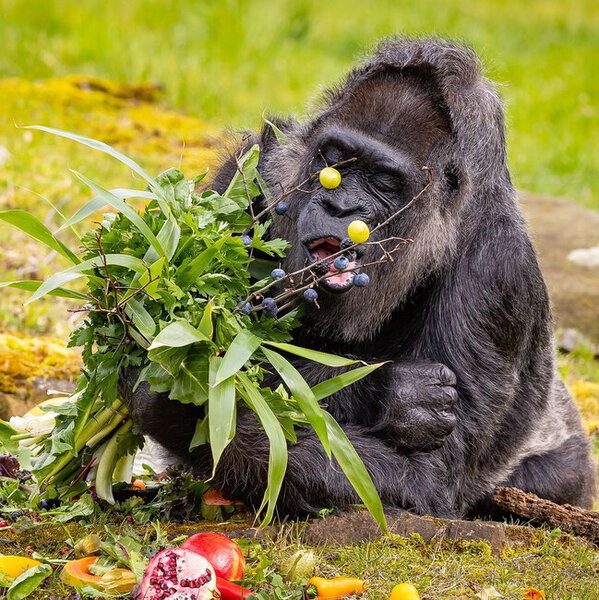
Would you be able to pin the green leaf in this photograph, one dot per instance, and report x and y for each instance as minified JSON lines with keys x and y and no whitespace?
{"x":331,"y":386}
{"x":57,"y":280}
{"x":126,"y":210}
{"x":206,"y":326}
{"x":282,"y":138}
{"x":237,"y":188}
{"x":260,"y":268}
{"x":191,"y":382}
{"x":189,"y":274}
{"x":102,"y":147}
{"x":141,"y":317}
{"x":353,"y":467}
{"x":34,"y":228}
{"x":168,"y":236}
{"x":324,"y":358}
{"x":200,"y":435}
{"x":26,"y":583}
{"x":221,"y":412}
{"x":277,"y":460}
{"x":239,"y":352}
{"x":99,"y":202}
{"x":31,"y":285}
{"x":178,"y":334}
{"x":303,"y":395}
{"x":153,"y":273}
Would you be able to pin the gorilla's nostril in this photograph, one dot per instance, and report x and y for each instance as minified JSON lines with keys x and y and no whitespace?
{"x":339,"y":206}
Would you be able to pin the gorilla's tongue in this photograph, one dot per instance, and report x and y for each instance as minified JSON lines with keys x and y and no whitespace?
{"x":323,"y":250}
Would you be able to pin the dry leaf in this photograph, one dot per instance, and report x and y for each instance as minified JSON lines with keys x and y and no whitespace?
{"x":488,"y":593}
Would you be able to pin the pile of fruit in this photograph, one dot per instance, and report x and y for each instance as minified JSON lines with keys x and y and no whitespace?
{"x":207,"y":566}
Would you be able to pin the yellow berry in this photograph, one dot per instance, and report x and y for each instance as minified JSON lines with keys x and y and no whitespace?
{"x":358,"y":232}
{"x":404,"y":591}
{"x":330,"y":178}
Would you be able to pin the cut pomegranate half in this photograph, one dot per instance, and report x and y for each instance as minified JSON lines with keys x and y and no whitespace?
{"x":178,"y":574}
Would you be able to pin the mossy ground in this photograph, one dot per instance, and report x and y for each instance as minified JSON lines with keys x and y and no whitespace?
{"x":567,"y":568}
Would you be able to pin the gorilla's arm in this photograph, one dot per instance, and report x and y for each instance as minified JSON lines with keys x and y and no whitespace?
{"x":312,"y":482}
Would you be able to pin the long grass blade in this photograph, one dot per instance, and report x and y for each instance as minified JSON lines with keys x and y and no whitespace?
{"x":34,"y":228}
{"x":31,"y":285}
{"x":331,"y":386}
{"x":127,"y":210}
{"x":59,"y":279}
{"x":277,"y":460}
{"x":102,"y":147}
{"x":324,"y":358}
{"x":353,"y":467}
{"x":221,"y":411}
{"x":303,"y":395}
{"x":99,"y":202}
{"x":239,"y":352}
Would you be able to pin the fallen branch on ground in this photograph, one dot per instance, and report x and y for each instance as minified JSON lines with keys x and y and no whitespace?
{"x":572,"y":519}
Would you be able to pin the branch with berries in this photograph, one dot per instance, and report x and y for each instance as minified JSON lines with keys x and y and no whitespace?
{"x":304,"y":280}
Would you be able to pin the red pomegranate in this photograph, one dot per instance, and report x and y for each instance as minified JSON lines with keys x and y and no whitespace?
{"x":222,"y":553}
{"x":176,"y":574}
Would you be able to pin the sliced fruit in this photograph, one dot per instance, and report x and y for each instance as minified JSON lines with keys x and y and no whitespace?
{"x":13,"y":566}
{"x":76,"y":573}
{"x":178,"y":574}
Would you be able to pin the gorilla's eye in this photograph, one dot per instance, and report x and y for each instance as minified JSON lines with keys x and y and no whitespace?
{"x":331,"y":154}
{"x":387,"y":182}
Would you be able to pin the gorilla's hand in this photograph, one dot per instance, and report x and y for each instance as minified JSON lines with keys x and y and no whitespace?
{"x":169,"y":422}
{"x":417,"y":411}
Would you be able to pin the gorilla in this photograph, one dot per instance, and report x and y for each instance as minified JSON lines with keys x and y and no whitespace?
{"x":469,"y":398}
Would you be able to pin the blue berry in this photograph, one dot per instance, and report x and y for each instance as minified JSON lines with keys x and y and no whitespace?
{"x":47,"y":503}
{"x":246,"y":239}
{"x":278,"y":273}
{"x":270,"y":307}
{"x":321,"y":267}
{"x":361,"y":280}
{"x":246,"y":307}
{"x":310,"y":295}
{"x":341,"y":263}
{"x":281,"y":208}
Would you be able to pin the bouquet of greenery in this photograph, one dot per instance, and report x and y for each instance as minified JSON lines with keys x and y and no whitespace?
{"x":175,"y":292}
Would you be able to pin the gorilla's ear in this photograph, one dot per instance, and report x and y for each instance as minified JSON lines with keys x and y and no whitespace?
{"x":275,"y":132}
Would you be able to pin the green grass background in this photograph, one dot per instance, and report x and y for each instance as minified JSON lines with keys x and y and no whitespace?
{"x":229,"y":60}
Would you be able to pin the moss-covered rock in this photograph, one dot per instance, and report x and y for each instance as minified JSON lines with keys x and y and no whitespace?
{"x":29,"y":366}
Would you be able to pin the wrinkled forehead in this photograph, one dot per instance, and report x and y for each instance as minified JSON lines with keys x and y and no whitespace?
{"x":405,"y":111}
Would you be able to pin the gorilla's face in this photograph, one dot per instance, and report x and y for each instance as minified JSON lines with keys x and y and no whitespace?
{"x":377,"y":183}
{"x":387,"y":128}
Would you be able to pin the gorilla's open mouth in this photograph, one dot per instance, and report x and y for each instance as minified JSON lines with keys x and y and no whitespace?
{"x":323,"y":250}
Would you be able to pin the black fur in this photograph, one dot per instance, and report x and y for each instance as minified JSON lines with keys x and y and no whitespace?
{"x":471,"y":398}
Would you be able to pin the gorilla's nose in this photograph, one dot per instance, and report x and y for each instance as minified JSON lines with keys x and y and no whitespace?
{"x":340,"y":205}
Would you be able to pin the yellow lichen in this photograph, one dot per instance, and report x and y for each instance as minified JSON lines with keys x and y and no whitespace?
{"x":24,"y":357}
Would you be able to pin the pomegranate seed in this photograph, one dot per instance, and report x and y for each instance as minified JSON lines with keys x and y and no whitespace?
{"x":64,"y":551}
{"x":3,"y":523}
